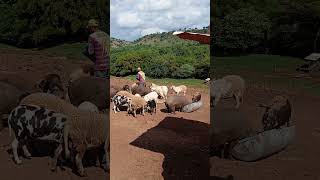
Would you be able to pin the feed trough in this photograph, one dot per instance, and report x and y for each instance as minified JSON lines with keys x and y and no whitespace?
{"x":263,"y":144}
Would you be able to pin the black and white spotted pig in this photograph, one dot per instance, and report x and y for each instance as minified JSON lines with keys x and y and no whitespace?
{"x":30,"y":122}
{"x":152,"y":106}
{"x":120,"y":101}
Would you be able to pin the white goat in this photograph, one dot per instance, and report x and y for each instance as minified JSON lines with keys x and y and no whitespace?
{"x":179,"y":89}
{"x":151,"y":96}
{"x":228,"y":86}
{"x":161,"y":90}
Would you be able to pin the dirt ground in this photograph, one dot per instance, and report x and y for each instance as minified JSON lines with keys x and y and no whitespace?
{"x":27,"y":68}
{"x":164,"y":146}
{"x":299,"y":160}
{"x":158,"y":146}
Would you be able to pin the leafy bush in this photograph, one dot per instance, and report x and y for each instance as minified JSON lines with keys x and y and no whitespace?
{"x":170,"y":61}
{"x":41,"y":23}
{"x":202,"y":71}
{"x":242,"y":29}
{"x":185,"y":71}
{"x":157,"y":70}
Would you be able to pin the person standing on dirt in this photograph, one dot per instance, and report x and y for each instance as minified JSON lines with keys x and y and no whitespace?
{"x":141,"y":77}
{"x":98,"y":49}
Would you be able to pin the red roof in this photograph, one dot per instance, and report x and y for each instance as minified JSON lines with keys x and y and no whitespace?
{"x":201,"y":38}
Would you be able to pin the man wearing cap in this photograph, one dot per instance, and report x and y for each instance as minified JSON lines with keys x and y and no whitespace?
{"x":141,"y":77}
{"x":98,"y":49}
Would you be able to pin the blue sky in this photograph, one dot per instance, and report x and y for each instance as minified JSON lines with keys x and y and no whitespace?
{"x":132,"y":19}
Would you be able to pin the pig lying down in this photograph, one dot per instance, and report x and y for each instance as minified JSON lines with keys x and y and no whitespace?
{"x":29,"y":123}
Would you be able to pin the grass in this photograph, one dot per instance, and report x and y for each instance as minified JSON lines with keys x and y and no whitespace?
{"x":259,"y":69}
{"x":6,"y":46}
{"x":259,"y":63}
{"x":196,"y":83}
{"x":72,"y":51}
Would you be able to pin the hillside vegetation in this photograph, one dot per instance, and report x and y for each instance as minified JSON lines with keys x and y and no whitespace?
{"x":162,"y":55}
{"x":285,"y":27}
{"x":47,"y":23}
{"x":268,"y":71}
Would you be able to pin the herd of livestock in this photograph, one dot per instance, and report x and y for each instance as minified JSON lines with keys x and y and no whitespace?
{"x":140,"y":98}
{"x":73,"y":117}
{"x":233,"y":135}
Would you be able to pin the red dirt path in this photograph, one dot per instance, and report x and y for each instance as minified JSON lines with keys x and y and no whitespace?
{"x":158,"y":146}
{"x":298,"y":161}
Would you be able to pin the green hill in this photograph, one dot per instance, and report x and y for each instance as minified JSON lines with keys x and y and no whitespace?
{"x":164,"y":38}
{"x":115,"y":43}
{"x":161,"y":55}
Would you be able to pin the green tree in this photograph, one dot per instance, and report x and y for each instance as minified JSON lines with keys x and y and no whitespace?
{"x":185,"y":71}
{"x":45,"y":22}
{"x":242,"y":29}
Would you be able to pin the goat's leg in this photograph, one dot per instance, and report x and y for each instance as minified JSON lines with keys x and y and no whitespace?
{"x":26,"y":153}
{"x":143,"y":110}
{"x":107,"y":165}
{"x":174,"y":110}
{"x":230,"y":147}
{"x":162,"y":95}
{"x":241,"y":96}
{"x":79,"y":157}
{"x":54,"y":161}
{"x":237,"y":101}
{"x":14,"y":146}
{"x":114,"y":109}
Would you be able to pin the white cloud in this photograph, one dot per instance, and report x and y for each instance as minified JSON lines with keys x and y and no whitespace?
{"x":131,"y":19}
{"x":154,"y":5}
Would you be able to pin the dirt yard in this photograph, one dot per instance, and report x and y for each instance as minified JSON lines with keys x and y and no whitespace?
{"x":299,"y":160}
{"x":26,"y":68}
{"x":164,"y":146}
{"x":158,"y":146}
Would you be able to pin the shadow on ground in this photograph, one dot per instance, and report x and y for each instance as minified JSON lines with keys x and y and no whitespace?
{"x":184,"y":144}
{"x":41,"y":148}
